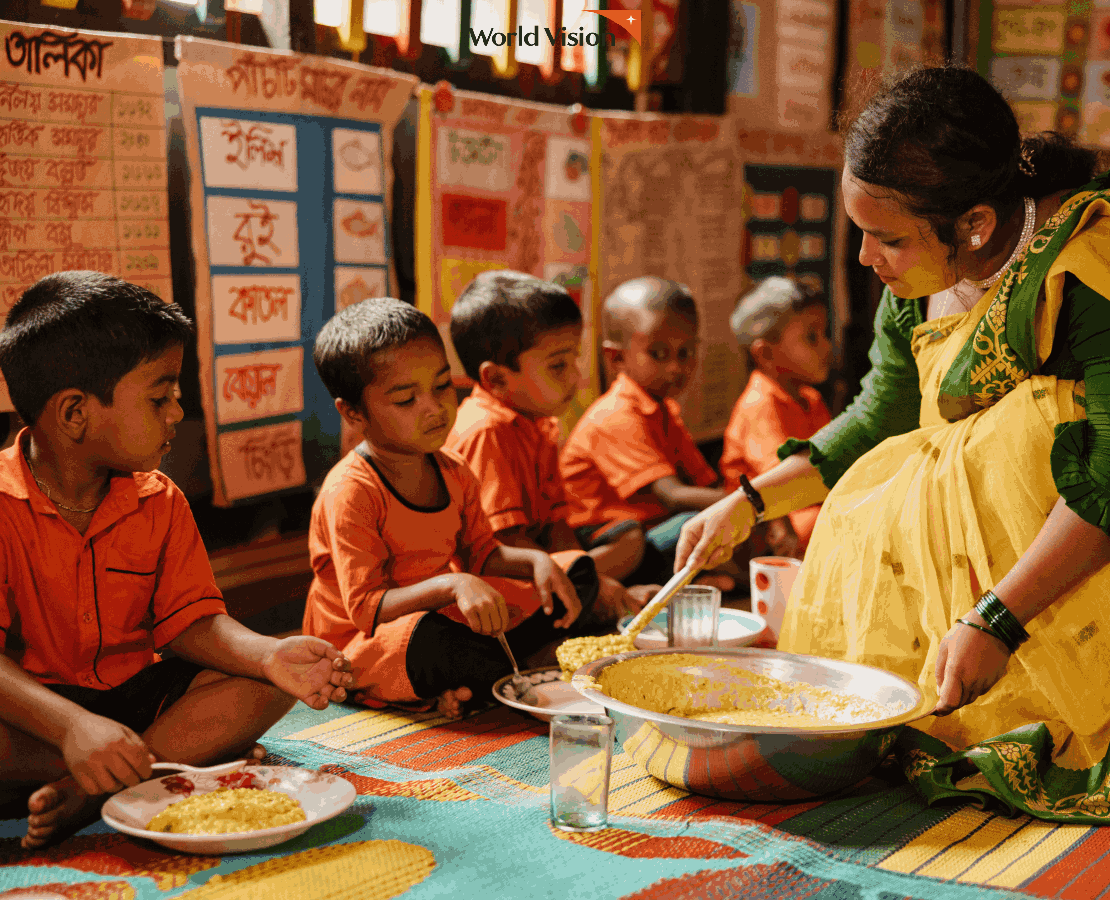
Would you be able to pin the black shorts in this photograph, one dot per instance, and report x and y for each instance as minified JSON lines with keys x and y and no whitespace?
{"x":591,"y":536}
{"x":141,"y":699}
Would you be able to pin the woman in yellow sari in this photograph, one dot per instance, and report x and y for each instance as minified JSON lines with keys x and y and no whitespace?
{"x":964,"y":541}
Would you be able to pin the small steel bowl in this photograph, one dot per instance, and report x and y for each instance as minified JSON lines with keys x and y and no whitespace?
{"x":769,"y":763}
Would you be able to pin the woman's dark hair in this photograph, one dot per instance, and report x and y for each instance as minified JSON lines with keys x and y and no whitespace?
{"x":944,"y":139}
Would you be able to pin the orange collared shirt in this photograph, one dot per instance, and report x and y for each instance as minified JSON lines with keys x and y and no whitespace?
{"x":622,"y":444}
{"x":91,"y":609}
{"x":762,"y":420}
{"x":516,"y":460}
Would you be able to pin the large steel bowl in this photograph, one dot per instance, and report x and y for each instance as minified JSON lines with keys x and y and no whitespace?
{"x":767,"y":763}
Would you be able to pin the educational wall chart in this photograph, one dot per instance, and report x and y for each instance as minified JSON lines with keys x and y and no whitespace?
{"x":1052,"y":61}
{"x":888,"y":36}
{"x":82,"y":159}
{"x":780,"y":62}
{"x":505,"y":184}
{"x":290,"y":190}
{"x":794,"y":222}
{"x":671,"y":189}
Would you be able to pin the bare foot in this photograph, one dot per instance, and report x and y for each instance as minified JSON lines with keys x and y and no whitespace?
{"x":449,"y":703}
{"x":255,"y":754}
{"x":716,"y":579}
{"x":56,"y":811}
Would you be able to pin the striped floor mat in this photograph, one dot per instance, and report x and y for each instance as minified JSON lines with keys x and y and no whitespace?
{"x":473,"y":794}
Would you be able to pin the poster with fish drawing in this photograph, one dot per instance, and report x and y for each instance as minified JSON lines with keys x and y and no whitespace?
{"x":506,"y":184}
{"x":290,"y":194}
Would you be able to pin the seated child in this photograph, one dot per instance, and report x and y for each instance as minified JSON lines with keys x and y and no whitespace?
{"x":518,"y":338}
{"x":781,"y":325}
{"x":410,"y":581}
{"x":630,"y":455}
{"x":103,"y":565}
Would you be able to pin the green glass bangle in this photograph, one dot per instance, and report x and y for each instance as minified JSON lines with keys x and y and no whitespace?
{"x":1000,"y":620}
{"x":985,"y":631}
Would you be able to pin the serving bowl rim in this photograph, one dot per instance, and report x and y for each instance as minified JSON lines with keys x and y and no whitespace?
{"x":590,"y":670}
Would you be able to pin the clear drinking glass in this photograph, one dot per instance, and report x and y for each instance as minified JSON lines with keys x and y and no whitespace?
{"x":692,"y":617}
{"x":581,"y":755}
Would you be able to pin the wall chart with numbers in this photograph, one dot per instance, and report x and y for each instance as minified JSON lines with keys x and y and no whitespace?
{"x":290,"y":186}
{"x":82,"y":159}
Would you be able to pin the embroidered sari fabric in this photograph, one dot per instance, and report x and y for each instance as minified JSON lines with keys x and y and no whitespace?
{"x":888,"y":570}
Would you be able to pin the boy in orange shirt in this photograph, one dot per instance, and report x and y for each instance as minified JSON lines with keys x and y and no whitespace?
{"x":631,"y":456}
{"x":782,"y":326}
{"x":409,"y":579}
{"x":102,"y":564}
{"x":518,"y":338}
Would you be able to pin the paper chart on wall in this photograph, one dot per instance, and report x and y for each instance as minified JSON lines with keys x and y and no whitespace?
{"x":505,"y":185}
{"x":82,"y":159}
{"x":290,"y":187}
{"x":671,"y":189}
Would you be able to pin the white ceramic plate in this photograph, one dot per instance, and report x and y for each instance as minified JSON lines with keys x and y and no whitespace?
{"x":554,"y":696}
{"x":321,"y":796}
{"x":735,"y":628}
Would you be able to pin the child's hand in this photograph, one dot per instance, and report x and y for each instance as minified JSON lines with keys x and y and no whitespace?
{"x":484,"y":608}
{"x":104,"y":756}
{"x":310,"y":669}
{"x":551,"y":580}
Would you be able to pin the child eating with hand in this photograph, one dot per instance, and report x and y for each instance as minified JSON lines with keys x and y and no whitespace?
{"x":103,"y":565}
{"x":409,"y":579}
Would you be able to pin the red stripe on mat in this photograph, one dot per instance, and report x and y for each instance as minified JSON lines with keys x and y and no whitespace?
{"x":780,"y":881}
{"x":1080,"y":875}
{"x":453,"y":745}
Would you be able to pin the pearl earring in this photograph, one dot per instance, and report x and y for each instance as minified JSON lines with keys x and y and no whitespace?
{"x":976,"y":241}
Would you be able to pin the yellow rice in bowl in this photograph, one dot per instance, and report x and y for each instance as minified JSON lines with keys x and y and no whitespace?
{"x":228,"y":811}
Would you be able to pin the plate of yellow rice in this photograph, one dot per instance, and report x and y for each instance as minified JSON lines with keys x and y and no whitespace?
{"x":232,"y":812}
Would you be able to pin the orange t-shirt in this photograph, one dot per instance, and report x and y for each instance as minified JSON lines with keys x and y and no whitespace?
{"x":764,"y":417}
{"x":516,"y":460}
{"x":364,"y":539}
{"x":91,"y":610}
{"x":622,"y":444}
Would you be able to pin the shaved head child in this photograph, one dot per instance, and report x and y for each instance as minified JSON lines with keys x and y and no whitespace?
{"x":631,"y":455}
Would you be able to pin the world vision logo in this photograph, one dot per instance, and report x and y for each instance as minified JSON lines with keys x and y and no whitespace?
{"x":628,"y":19}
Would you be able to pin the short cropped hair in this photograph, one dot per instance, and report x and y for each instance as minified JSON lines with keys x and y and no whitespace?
{"x":345,"y":347}
{"x":503,"y":313}
{"x":648,"y":294}
{"x":83,"y":330}
{"x":765,"y":310}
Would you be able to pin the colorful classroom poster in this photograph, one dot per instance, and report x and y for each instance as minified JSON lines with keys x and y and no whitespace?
{"x":671,"y":189}
{"x":82,"y":159}
{"x":889,"y":36}
{"x":505,"y":184}
{"x":794,"y":222}
{"x":290,"y":187}
{"x":780,"y":62}
{"x":1045,"y":58}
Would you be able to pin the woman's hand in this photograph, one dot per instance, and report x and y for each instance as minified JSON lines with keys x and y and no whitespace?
{"x":310,"y":669}
{"x":709,"y":538}
{"x":969,"y":663}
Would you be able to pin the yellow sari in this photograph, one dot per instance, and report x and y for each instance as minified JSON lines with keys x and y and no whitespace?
{"x":887,"y":572}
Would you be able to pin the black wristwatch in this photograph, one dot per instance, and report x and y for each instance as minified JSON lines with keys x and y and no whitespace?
{"x":753,"y":498}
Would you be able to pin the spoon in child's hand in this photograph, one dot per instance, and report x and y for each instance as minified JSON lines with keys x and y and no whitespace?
{"x":525,"y":693}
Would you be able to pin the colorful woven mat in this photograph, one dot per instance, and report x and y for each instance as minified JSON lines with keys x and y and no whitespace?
{"x":474,"y":794}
